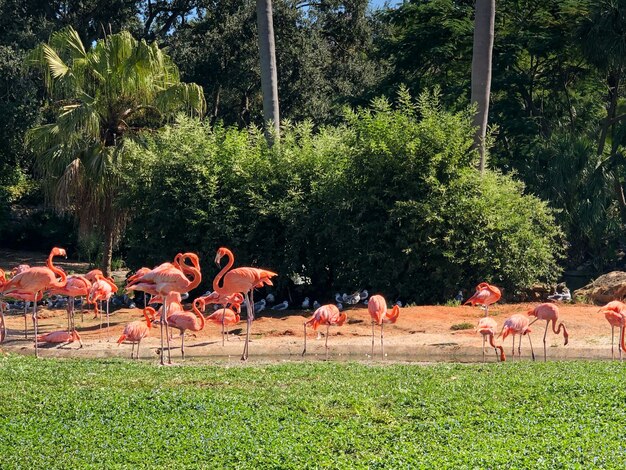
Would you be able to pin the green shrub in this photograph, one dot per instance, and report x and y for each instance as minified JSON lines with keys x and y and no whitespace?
{"x":387,"y":201}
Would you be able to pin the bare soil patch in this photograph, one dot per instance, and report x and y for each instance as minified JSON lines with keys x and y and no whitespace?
{"x":421,"y":334}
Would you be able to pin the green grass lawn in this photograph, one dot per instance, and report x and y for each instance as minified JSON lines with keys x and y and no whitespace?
{"x":114,"y":413}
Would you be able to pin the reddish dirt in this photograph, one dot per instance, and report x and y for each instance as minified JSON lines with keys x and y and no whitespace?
{"x":421,"y":334}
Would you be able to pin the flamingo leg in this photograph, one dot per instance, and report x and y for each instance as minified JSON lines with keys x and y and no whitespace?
{"x":304,"y":350}
{"x":162,"y":322}
{"x":484,"y":340}
{"x":519,"y":346}
{"x":612,"y":342}
{"x":327,"y":329}
{"x":3,"y":332}
{"x":532,"y":352}
{"x":182,"y":344}
{"x":250,"y":305}
{"x":619,"y":346}
{"x":373,"y":323}
{"x":544,"y":342}
{"x":108,"y":324}
{"x":382,"y":344}
{"x":167,"y":336}
{"x":25,"y":320}
{"x":137,"y":353}
{"x":132,"y":350}
{"x":513,"y":350}
{"x":82,"y":311}
{"x":223,"y":314}
{"x":486,"y":310}
{"x":35,"y":323}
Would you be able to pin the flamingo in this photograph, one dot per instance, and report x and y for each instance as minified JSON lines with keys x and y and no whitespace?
{"x":137,"y":330}
{"x":168,"y":278}
{"x":26,"y":297}
{"x":102,"y":289}
{"x":485,"y":295}
{"x":325,"y":315}
{"x":76,"y":286}
{"x":517,"y":325}
{"x":549,"y":313}
{"x":224,"y":316}
{"x":183,"y":321}
{"x":615,"y":314}
{"x":377,"y":307}
{"x":36,"y":280}
{"x":60,"y":337}
{"x":92,"y":276}
{"x":243,"y":280}
{"x":487,"y":327}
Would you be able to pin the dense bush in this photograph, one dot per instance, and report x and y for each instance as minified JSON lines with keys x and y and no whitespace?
{"x":387,"y":201}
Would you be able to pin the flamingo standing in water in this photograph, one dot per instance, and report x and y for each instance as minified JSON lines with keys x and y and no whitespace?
{"x":60,"y":337}
{"x":102,"y":289}
{"x":325,"y":315}
{"x":36,"y":280}
{"x":243,"y":280}
{"x":166,"y":279}
{"x":485,"y":295}
{"x":487,"y":327}
{"x":183,"y":321}
{"x":549,"y":313}
{"x":615,"y":314}
{"x":377,"y":307}
{"x":517,"y":325}
{"x":137,"y":330}
{"x":76,"y":286}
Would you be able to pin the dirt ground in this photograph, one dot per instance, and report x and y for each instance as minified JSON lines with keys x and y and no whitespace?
{"x":422,"y":334}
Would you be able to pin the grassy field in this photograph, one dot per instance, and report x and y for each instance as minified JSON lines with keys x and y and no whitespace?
{"x":114,"y":413}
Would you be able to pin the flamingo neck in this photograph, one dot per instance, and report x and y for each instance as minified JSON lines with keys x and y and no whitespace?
{"x":220,"y":275}
{"x":58,"y":272}
{"x":145,"y":314}
{"x":198,"y":313}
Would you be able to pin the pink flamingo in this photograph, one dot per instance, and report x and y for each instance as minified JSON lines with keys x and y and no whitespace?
{"x":487,"y":327}
{"x":102,"y":289}
{"x":183,"y":321}
{"x":137,"y":330}
{"x":549,"y":313}
{"x":224,"y":316}
{"x":26,"y":297}
{"x":36,"y":280}
{"x":377,"y":307}
{"x":243,"y":280}
{"x":92,"y":276}
{"x":485,"y":295}
{"x":325,"y":315}
{"x":76,"y":286}
{"x":227,"y":316}
{"x":615,"y":314}
{"x":517,"y":325}
{"x":60,"y":337}
{"x":166,"y":279}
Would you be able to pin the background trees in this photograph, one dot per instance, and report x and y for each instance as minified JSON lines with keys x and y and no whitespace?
{"x":556,"y":101}
{"x":101,"y":98}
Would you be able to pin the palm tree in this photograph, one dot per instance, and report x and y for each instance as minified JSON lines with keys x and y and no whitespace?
{"x":269,"y":75}
{"x":100,"y":98}
{"x":484,"y":19}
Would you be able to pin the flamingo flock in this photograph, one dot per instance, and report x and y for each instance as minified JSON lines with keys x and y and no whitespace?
{"x":233,"y":287}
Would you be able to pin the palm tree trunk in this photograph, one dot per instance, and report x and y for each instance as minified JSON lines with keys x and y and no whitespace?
{"x":484,"y":19}
{"x":107,"y":252}
{"x":269,"y":74}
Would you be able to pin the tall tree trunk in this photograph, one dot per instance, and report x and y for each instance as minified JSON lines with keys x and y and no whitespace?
{"x":484,"y":19}
{"x":107,"y":251}
{"x":269,"y":74}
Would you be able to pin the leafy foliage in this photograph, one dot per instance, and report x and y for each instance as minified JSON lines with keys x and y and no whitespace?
{"x":387,"y":201}
{"x":310,"y":415}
